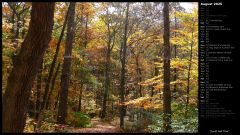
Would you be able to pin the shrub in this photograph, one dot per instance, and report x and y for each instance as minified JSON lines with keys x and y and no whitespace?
{"x":78,"y":119}
{"x":180,"y":122}
{"x":49,"y":116}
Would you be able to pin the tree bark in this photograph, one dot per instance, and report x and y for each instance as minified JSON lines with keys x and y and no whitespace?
{"x":25,"y":66}
{"x":123,"y":61}
{"x":38,"y":92}
{"x":139,"y":74}
{"x":62,"y":110}
{"x":166,"y":66}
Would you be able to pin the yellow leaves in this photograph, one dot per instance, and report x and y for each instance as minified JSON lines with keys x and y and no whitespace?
{"x":138,"y":101}
{"x":186,"y":16}
{"x":160,"y":39}
{"x":58,"y":17}
{"x":60,"y":13}
{"x":151,"y":81}
{"x":158,"y":64}
{"x":179,"y":63}
{"x":146,"y":102}
{"x":76,"y":56}
{"x":160,"y":86}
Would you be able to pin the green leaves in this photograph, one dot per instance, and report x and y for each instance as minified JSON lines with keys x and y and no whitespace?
{"x":79,"y":120}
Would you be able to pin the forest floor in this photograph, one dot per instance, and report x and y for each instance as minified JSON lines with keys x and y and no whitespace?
{"x":98,"y":127}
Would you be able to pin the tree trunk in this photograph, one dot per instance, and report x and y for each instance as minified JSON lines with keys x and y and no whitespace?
{"x":52,"y":86}
{"x":39,"y":88}
{"x":56,"y":103}
{"x":25,"y":66}
{"x":166,"y":66}
{"x":107,"y":80}
{"x":107,"y":70}
{"x":123,"y":60}
{"x":175,"y":56}
{"x":156,"y":73}
{"x":139,"y":74}
{"x":80,"y":98}
{"x":62,"y":110}
{"x":189,"y":69}
{"x":45,"y":96}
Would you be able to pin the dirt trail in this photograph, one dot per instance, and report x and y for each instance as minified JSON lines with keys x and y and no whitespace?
{"x":98,"y":127}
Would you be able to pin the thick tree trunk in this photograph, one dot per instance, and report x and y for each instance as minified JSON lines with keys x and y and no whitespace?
{"x":139,"y":74}
{"x":166,"y":66}
{"x":25,"y":66}
{"x":46,"y":92}
{"x":107,"y":81}
{"x":123,"y":61}
{"x":62,"y":110}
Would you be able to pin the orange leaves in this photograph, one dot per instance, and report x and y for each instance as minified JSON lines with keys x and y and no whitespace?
{"x":53,"y":43}
{"x":146,"y":105}
{"x":28,"y":4}
{"x":53,"y":46}
{"x":158,"y":87}
{"x":6,"y":27}
{"x":5,"y":9}
{"x":85,"y":8}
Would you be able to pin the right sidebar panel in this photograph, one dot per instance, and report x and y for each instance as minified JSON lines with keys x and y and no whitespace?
{"x":219,"y":42}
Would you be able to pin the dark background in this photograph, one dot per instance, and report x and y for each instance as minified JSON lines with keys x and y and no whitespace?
{"x":224,"y":72}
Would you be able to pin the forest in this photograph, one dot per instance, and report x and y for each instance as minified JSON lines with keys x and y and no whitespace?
{"x":100,"y":67}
